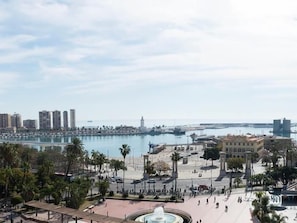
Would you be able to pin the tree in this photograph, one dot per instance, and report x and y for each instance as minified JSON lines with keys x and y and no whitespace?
{"x":73,"y":153}
{"x":125,"y":150}
{"x":9,"y":155}
{"x":266,"y":159}
{"x":275,"y":218}
{"x":117,"y":165}
{"x":160,"y":166}
{"x":211,"y":153}
{"x":263,"y":211}
{"x":234,"y":164}
{"x":237,"y":181}
{"x":103,"y":187}
{"x":98,"y":160}
{"x":77,"y":191}
{"x":175,"y":157}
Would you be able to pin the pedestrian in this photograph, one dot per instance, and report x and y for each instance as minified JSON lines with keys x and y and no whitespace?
{"x":206,"y":200}
{"x":198,"y":202}
{"x":200,"y":221}
{"x":226,"y":208}
{"x":214,"y":199}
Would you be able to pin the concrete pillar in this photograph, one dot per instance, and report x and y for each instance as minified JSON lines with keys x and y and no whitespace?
{"x":222,"y":163}
{"x":248,"y":166}
{"x":145,"y":165}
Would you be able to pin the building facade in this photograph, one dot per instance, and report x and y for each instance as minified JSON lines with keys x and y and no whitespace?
{"x":30,"y":124}
{"x":280,"y":127}
{"x":72,"y":119}
{"x":56,"y":120}
{"x":238,"y":145}
{"x":44,"y":120}
{"x":5,"y":121}
{"x":65,"y":120}
{"x":16,"y":121}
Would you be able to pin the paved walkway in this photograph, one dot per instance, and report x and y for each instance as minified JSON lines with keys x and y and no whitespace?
{"x":237,"y":212}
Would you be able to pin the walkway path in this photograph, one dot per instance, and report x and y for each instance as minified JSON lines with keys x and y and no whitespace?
{"x":237,"y":212}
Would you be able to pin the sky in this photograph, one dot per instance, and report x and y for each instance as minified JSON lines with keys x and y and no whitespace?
{"x":215,"y":60}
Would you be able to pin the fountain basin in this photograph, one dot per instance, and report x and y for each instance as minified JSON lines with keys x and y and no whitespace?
{"x":159,"y":215}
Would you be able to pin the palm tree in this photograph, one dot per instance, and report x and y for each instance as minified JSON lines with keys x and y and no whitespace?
{"x":275,"y":218}
{"x":117,"y":165}
{"x":9,"y":155}
{"x":125,"y":150}
{"x":263,"y":211}
{"x":175,"y":157}
{"x":73,"y":153}
{"x":98,"y":159}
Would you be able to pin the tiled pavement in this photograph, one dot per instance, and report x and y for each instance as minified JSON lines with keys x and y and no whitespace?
{"x":237,"y":212}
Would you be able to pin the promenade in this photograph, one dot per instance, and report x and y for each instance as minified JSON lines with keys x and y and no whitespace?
{"x":207,"y":212}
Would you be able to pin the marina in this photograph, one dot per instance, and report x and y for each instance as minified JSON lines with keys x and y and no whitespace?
{"x":139,"y":144}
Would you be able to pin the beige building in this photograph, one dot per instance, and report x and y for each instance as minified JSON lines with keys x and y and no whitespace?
{"x":238,"y":145}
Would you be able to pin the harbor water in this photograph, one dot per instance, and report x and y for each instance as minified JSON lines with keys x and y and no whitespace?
{"x":139,"y":144}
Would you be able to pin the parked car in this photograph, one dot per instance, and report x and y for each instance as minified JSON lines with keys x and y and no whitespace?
{"x":135,"y":181}
{"x":151,"y":181}
{"x":203,"y":187}
{"x":116,"y":180}
{"x":119,"y":180}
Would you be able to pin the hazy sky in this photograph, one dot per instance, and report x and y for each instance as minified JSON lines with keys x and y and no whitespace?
{"x":161,"y":59}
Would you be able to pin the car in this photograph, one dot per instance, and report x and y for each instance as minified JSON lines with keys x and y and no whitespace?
{"x":116,"y":180}
{"x":151,"y":181}
{"x":119,"y":180}
{"x":203,"y":187}
{"x":135,"y":181}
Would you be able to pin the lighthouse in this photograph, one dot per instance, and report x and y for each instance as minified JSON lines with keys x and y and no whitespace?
{"x":142,"y":127}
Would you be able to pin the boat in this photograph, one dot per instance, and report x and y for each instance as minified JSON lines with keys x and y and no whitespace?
{"x":178,"y":131}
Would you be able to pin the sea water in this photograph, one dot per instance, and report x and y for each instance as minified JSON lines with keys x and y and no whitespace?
{"x":139,"y":144}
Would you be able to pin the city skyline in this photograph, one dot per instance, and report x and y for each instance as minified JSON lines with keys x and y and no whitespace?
{"x":215,"y":61}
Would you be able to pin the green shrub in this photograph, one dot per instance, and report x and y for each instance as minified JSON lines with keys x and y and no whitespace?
{"x":173,"y":197}
{"x":141,"y":196}
{"x":17,"y":199}
{"x":125,"y":195}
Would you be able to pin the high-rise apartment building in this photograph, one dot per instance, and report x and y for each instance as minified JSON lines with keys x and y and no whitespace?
{"x":56,"y":120}
{"x":44,"y":120}
{"x":281,"y":128}
{"x":16,"y":121}
{"x":72,"y":118}
{"x":30,"y":124}
{"x":65,"y":120}
{"x":5,"y":121}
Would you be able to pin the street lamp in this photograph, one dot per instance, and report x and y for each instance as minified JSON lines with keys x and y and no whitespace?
{"x":211,"y":180}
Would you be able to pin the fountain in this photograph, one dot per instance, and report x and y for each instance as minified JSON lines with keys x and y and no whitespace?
{"x":159,"y":216}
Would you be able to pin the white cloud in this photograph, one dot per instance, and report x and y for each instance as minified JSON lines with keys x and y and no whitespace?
{"x":106,"y":47}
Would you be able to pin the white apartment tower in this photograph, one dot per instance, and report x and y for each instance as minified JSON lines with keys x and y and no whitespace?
{"x":44,"y":120}
{"x":72,"y":118}
{"x":56,"y":120}
{"x":65,"y":120}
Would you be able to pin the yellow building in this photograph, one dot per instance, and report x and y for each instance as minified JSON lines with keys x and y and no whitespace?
{"x":238,"y":145}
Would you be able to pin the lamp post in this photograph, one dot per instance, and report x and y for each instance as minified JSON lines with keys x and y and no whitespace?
{"x":211,"y":180}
